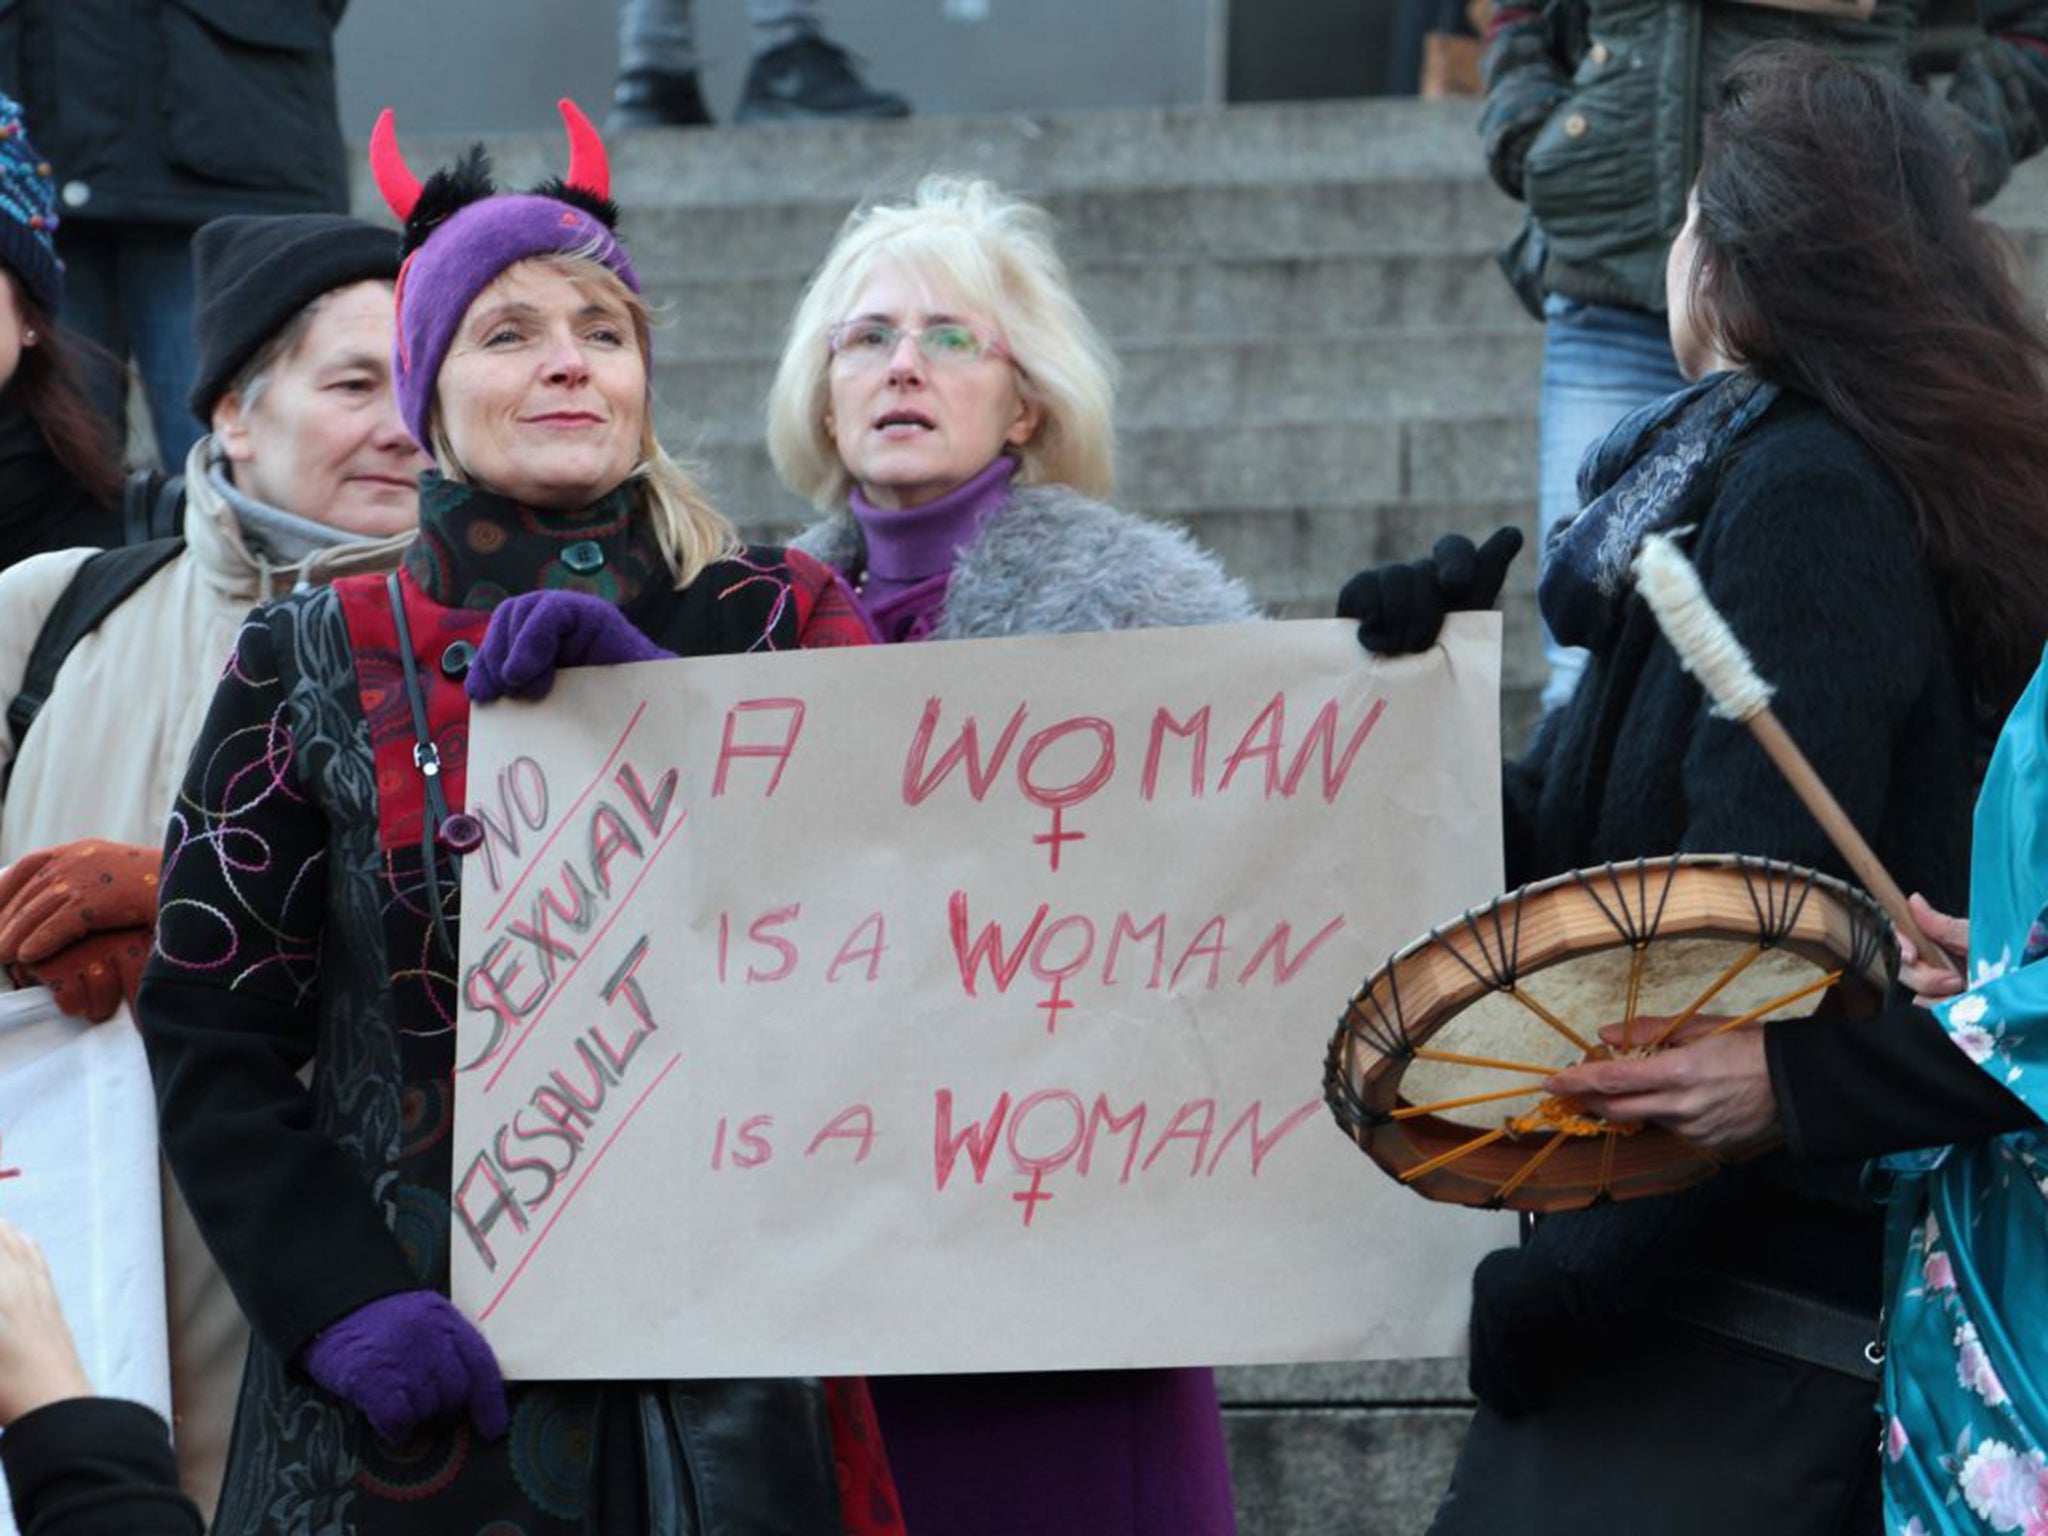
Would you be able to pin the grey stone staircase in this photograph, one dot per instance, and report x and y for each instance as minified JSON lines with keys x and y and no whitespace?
{"x":1321,"y":366}
{"x":1322,"y":369}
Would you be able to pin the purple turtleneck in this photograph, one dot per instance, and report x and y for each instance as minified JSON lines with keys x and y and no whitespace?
{"x":911,"y":550}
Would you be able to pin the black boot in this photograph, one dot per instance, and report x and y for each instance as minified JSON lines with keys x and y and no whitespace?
{"x":808,"y":77}
{"x":653,"y":98}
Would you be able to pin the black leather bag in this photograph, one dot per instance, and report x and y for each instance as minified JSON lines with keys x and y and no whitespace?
{"x":1676,"y":1432}
{"x":715,"y":1458}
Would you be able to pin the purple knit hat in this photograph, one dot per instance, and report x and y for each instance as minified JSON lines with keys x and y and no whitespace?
{"x":461,"y":232}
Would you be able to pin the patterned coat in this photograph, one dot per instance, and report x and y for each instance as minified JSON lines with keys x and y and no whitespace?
{"x":1966,"y":1369}
{"x":295,"y":933}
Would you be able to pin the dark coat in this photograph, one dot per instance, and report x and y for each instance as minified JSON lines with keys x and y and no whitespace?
{"x":95,"y":1466}
{"x":1810,"y":552}
{"x":41,"y":506}
{"x":179,"y":111}
{"x":320,"y":1195}
{"x":1809,"y":548}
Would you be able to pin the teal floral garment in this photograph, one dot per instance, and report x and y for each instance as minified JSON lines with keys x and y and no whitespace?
{"x":1966,"y":1373}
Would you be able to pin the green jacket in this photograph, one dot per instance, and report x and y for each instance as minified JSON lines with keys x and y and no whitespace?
{"x":1593,"y":112}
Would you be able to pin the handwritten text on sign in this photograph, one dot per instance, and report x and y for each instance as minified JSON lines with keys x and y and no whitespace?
{"x":956,"y":1007}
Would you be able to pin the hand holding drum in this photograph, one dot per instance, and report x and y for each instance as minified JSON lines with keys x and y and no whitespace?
{"x":1709,"y":650}
{"x":1417,"y":1068}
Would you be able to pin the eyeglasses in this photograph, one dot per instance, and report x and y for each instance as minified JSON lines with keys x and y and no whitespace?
{"x":944,"y":343}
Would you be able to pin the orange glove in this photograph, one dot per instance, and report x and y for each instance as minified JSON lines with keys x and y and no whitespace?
{"x":90,"y":979}
{"x":54,"y":897}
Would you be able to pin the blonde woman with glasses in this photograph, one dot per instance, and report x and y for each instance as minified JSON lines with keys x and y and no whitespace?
{"x":945,"y":403}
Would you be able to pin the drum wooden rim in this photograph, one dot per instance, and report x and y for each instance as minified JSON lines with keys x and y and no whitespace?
{"x":1428,"y":983}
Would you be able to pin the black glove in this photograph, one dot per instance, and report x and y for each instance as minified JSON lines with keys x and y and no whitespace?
{"x":1400,"y":608}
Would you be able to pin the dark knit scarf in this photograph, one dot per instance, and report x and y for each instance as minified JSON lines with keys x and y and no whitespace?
{"x":1655,"y":472}
{"x":476,"y":548}
{"x":41,"y":506}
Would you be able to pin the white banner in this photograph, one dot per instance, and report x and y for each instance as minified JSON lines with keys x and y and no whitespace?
{"x":78,"y":1173}
{"x":957,"y":1007}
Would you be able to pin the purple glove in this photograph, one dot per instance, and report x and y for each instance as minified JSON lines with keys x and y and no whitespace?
{"x":408,"y":1360}
{"x":536,"y":632}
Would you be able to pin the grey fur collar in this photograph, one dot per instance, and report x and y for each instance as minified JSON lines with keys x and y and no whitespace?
{"x":1054,"y":562}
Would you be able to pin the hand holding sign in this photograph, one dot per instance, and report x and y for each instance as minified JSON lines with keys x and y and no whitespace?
{"x":993,"y":975}
{"x":409,"y":1361}
{"x":533,"y":633}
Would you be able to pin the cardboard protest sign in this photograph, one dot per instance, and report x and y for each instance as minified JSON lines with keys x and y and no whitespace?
{"x":957,"y":1007}
{"x":78,"y":1173}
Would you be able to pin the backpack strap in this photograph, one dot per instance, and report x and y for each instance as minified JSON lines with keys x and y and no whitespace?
{"x":167,"y":521}
{"x":99,"y":586}
{"x":152,"y":506}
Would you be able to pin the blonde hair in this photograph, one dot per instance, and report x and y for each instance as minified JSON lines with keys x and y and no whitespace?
{"x":994,"y":255}
{"x":690,"y":531}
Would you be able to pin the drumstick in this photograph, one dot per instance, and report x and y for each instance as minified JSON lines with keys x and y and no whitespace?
{"x":1708,"y":649}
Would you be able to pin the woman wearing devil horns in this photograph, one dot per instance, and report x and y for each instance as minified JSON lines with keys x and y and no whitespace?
{"x":309,"y":920}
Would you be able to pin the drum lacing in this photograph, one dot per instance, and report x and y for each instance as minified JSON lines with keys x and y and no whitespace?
{"x":1500,"y":973}
{"x":1780,"y":901}
{"x":1385,"y":1029}
{"x":1634,"y":921}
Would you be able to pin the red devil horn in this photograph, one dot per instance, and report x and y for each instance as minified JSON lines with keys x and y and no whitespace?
{"x":394,"y":177}
{"x":589,"y":168}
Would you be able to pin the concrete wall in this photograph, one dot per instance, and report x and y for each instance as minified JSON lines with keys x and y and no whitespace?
{"x":478,"y":66}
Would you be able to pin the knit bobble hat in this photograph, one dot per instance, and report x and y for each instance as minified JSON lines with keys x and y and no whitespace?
{"x":251,"y":274}
{"x":461,"y":232}
{"x":28,"y":212}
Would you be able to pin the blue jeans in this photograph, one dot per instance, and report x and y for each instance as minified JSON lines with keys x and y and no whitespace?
{"x":129,"y":288}
{"x":661,"y":35}
{"x":1599,"y":363}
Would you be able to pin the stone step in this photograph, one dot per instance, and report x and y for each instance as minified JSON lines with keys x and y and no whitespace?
{"x":1296,"y":563}
{"x":1397,"y":375}
{"x":1289,"y":180}
{"x":1419,"y":1382}
{"x":1426,"y":218}
{"x":1244,"y":146}
{"x":1342,"y":1471}
{"x":1188,"y":469}
{"x":673,"y":242}
{"x":1263,"y":144}
{"x":1287,"y":555}
{"x":1150,"y":301}
{"x":1279,"y":550}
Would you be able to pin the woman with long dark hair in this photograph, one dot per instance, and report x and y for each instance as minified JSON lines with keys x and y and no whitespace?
{"x":60,"y":469}
{"x":1859,"y":278}
{"x":1858,"y":475}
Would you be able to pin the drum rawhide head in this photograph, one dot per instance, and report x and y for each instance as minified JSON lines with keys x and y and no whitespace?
{"x":1438,"y":1064}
